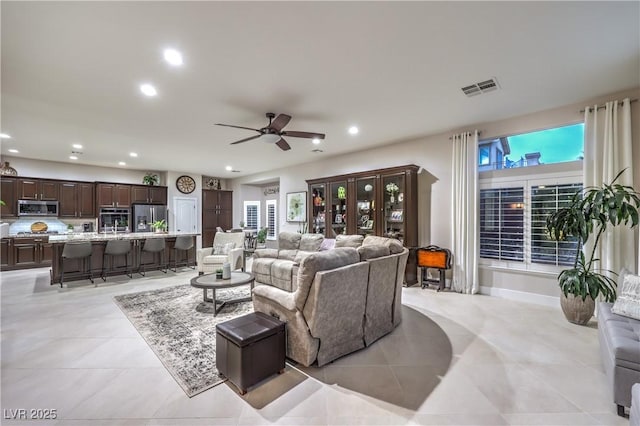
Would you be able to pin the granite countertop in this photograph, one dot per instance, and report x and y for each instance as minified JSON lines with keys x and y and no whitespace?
{"x":95,"y":236}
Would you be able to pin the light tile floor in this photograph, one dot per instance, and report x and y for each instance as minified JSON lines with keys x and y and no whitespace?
{"x":455,"y":360}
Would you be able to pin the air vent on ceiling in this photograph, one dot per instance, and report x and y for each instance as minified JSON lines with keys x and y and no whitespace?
{"x":481,"y":87}
{"x":317,"y":150}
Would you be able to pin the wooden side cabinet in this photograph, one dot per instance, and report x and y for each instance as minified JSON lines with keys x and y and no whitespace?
{"x":217,"y":210}
{"x":113,"y":195}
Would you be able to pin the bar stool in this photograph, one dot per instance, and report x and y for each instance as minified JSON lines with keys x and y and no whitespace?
{"x":77,"y":250}
{"x":183,"y":243}
{"x":154,"y":246}
{"x":116,"y":248}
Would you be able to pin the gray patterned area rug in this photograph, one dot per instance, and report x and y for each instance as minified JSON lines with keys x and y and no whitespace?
{"x":181,"y":329}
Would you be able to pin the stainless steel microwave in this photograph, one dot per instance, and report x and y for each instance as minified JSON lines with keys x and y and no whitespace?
{"x":37,"y":208}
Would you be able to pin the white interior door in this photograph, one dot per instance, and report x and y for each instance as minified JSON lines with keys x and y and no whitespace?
{"x":186,"y":215}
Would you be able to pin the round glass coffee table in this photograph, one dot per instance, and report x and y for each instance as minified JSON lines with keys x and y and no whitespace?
{"x":210,"y":282}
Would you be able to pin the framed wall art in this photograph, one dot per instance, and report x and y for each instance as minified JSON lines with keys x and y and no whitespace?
{"x":297,"y":206}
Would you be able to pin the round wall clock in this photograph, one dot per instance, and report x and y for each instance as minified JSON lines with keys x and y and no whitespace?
{"x":186,"y":184}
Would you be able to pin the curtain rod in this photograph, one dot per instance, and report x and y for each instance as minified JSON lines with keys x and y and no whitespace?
{"x":468,"y":134}
{"x":604,"y":106}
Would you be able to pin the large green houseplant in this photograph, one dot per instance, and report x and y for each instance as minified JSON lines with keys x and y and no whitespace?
{"x":586,"y":218}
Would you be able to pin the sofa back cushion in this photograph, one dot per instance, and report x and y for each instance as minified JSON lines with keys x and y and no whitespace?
{"x":372,"y":252}
{"x":354,"y":241}
{"x":311,"y":242}
{"x":394,"y":245}
{"x":222,"y":238}
{"x":288,"y":240}
{"x":321,"y":261}
{"x":287,"y":254}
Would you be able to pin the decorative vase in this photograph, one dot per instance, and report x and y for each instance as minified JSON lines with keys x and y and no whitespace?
{"x":226,"y":271}
{"x":392,"y":199}
{"x":576,"y":310}
{"x":7,"y":170}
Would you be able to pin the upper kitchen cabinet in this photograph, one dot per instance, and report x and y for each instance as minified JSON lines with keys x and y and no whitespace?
{"x":113,"y":195}
{"x":147,"y":194}
{"x":77,"y":199}
{"x":9,"y":192}
{"x":38,"y":189}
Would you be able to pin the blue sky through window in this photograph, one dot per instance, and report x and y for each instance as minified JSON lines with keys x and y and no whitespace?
{"x":554,"y":145}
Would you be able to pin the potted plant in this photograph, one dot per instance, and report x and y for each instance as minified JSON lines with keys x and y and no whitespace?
{"x":261,"y":236}
{"x":219,"y":273}
{"x":588,"y":215}
{"x":151,"y":179}
{"x":160,"y":226}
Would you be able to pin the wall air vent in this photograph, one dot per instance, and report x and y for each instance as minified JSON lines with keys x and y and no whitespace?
{"x":481,"y":87}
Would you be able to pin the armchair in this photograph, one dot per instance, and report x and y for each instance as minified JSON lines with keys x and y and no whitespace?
{"x":208,"y":261}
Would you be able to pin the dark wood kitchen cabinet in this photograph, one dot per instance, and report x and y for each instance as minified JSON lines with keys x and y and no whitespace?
{"x":147,"y":194}
{"x":38,"y":189}
{"x":31,"y":252}
{"x":6,"y":253}
{"x":77,"y":199}
{"x":113,"y":195}
{"x":8,"y":194}
{"x":217,"y":210}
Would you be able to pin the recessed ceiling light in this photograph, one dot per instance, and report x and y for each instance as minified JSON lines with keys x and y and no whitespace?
{"x":13,"y":151}
{"x":148,"y":89}
{"x":353,"y":130}
{"x":73,"y":157}
{"x":315,"y":141}
{"x":229,"y":168}
{"x":4,"y":136}
{"x":173,"y":57}
{"x":133,"y":154}
{"x":77,"y":146}
{"x":122,"y":163}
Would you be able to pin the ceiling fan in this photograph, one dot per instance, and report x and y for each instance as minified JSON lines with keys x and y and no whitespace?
{"x":273,"y":132}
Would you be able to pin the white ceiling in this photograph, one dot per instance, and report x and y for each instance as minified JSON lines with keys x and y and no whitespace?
{"x":71,"y":70}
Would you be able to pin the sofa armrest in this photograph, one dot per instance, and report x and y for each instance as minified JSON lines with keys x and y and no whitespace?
{"x":235,"y":258}
{"x":266,"y":252}
{"x":202,"y":253}
{"x":275,"y":297}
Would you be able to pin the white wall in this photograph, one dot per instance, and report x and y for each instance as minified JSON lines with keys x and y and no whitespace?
{"x":433,"y":154}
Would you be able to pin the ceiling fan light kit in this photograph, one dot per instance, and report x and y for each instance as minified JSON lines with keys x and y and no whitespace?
{"x":273,"y":133}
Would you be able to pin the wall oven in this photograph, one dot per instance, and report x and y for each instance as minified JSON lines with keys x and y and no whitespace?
{"x":114,"y":220}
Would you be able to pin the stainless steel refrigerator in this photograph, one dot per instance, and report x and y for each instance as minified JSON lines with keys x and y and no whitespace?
{"x":145,"y":214}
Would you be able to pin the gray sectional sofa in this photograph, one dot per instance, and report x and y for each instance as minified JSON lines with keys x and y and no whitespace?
{"x":619,"y":338}
{"x":344,"y":299}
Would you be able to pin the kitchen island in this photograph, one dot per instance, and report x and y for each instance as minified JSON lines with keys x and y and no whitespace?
{"x":73,"y":269}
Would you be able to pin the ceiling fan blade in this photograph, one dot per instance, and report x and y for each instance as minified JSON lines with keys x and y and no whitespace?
{"x":303,"y":134}
{"x":237,"y":127}
{"x":245,"y":139}
{"x":280,"y":121}
{"x":283,"y":145}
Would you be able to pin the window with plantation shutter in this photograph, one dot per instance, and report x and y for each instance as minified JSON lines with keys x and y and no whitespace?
{"x":252,"y":214}
{"x":546,"y":199}
{"x":502,"y":223}
{"x":272,"y":219}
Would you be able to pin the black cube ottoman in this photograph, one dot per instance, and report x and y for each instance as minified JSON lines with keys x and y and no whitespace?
{"x":250,"y":348}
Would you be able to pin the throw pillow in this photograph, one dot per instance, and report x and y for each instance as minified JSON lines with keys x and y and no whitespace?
{"x":327,"y":244}
{"x":628,"y":301}
{"x":223,"y":248}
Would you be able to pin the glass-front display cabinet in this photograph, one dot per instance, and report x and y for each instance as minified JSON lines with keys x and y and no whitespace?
{"x":366,"y":219}
{"x":394,"y":212}
{"x":338,"y":210}
{"x":382,"y":202}
{"x":317,"y":223}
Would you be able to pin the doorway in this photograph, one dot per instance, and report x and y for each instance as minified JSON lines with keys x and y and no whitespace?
{"x":186,"y":215}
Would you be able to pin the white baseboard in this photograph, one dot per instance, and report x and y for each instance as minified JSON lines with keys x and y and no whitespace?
{"x":521,"y":296}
